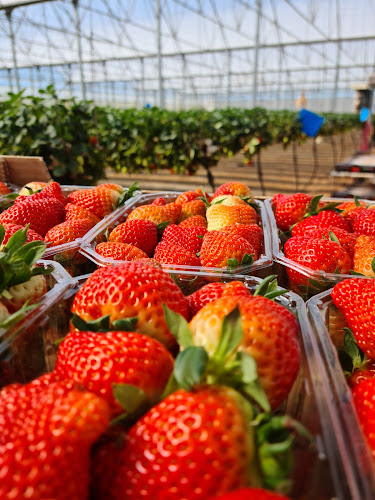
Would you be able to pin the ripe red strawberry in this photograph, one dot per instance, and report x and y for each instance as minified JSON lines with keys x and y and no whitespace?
{"x":192,"y":208}
{"x":317,"y":255}
{"x":251,"y":232}
{"x":192,"y":460}
{"x":10,"y":229}
{"x":46,"y":435}
{"x":186,"y":197}
{"x":355,"y":298}
{"x":167,"y":253}
{"x":97,"y":361}
{"x":324,"y":219}
{"x":32,"y":210}
{"x":100,"y":201}
{"x":219,"y":216}
{"x":132,"y":289}
{"x":4,"y":189}
{"x":190,"y":238}
{"x":213,"y":291}
{"x":291,"y":209}
{"x":364,"y":403}
{"x":159,"y":201}
{"x":347,"y":206}
{"x":251,"y":494}
{"x":364,"y":255}
{"x":68,"y":231}
{"x":234,"y":188}
{"x":141,"y":233}
{"x":156,"y":213}
{"x":196,"y":220}
{"x":346,"y":240}
{"x":364,"y":222}
{"x":269,"y":335}
{"x":220,"y":249}
{"x":278,"y":198}
{"x":54,"y":190}
{"x":120,"y":251}
{"x":76,"y":212}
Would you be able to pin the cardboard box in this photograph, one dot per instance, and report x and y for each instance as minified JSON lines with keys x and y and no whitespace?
{"x":19,"y":170}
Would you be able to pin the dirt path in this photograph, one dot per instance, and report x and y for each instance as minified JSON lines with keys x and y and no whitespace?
{"x":285,"y":171}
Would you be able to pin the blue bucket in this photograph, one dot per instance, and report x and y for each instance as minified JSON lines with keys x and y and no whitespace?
{"x":311,"y":122}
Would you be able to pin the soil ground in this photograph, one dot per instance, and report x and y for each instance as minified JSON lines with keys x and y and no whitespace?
{"x":282,"y":171}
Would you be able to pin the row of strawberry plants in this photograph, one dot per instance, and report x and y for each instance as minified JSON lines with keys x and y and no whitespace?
{"x":79,"y":140}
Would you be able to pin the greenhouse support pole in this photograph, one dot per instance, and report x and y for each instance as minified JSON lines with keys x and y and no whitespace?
{"x":13,"y":41}
{"x":256,"y":54}
{"x":160,"y":69}
{"x":10,"y":83}
{"x":337,"y":72}
{"x":229,"y":88}
{"x":79,"y":45}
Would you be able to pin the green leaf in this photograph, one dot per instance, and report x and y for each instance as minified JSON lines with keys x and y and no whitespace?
{"x":232,"y":263}
{"x":351,"y":347}
{"x":373,"y":265}
{"x":314,"y":205}
{"x":131,"y":398}
{"x":101,"y":324}
{"x":250,"y":380}
{"x":190,"y":365}
{"x":179,"y":327}
{"x":230,"y":335}
{"x":2,"y":233}
{"x":247,"y":259}
{"x":125,"y":324}
{"x":333,"y":237}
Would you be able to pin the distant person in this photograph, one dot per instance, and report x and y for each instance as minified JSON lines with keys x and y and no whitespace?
{"x":301,"y":101}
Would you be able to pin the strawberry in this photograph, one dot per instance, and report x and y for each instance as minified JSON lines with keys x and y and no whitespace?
{"x":324,"y":219}
{"x":186,"y":197}
{"x":233,"y":188}
{"x":159,"y":201}
{"x":228,"y":199}
{"x":98,"y":361}
{"x":355,"y":298}
{"x":317,"y":255}
{"x":291,"y":209}
{"x":10,"y":229}
{"x":364,"y":222}
{"x":196,"y":220}
{"x":167,"y":253}
{"x":68,"y":231}
{"x":31,"y":188}
{"x":364,"y":403}
{"x":364,"y":255}
{"x":170,"y":451}
{"x":346,"y":240}
{"x":269,"y":335}
{"x":47,"y":430}
{"x":155,"y":213}
{"x":32,"y":210}
{"x":76,"y":212}
{"x":190,"y":238}
{"x":54,"y":190}
{"x":251,"y":494}
{"x":192,"y":208}
{"x":99,"y":201}
{"x":213,"y":291}
{"x":251,"y":232}
{"x":219,"y":216}
{"x":133,"y":289}
{"x":220,"y":249}
{"x":120,"y":251}
{"x":141,"y":233}
{"x":4,"y":189}
{"x":21,"y":280}
{"x":114,"y":187}
{"x":347,"y":206}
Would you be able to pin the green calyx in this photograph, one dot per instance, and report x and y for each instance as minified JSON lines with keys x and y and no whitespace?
{"x":18,"y":258}
{"x":269,"y":288}
{"x":351,"y":357}
{"x":127,"y":194}
{"x":275,"y":436}
{"x":103,"y":324}
{"x":314,"y":210}
{"x":227,"y":366}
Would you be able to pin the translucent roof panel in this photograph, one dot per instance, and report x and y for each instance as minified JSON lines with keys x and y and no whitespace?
{"x":200,"y":52}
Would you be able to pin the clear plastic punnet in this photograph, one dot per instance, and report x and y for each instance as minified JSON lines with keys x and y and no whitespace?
{"x":67,"y":254}
{"x":321,"y":469}
{"x":357,"y":465}
{"x":319,"y":280}
{"x":261,"y":267}
{"x":22,"y":356}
